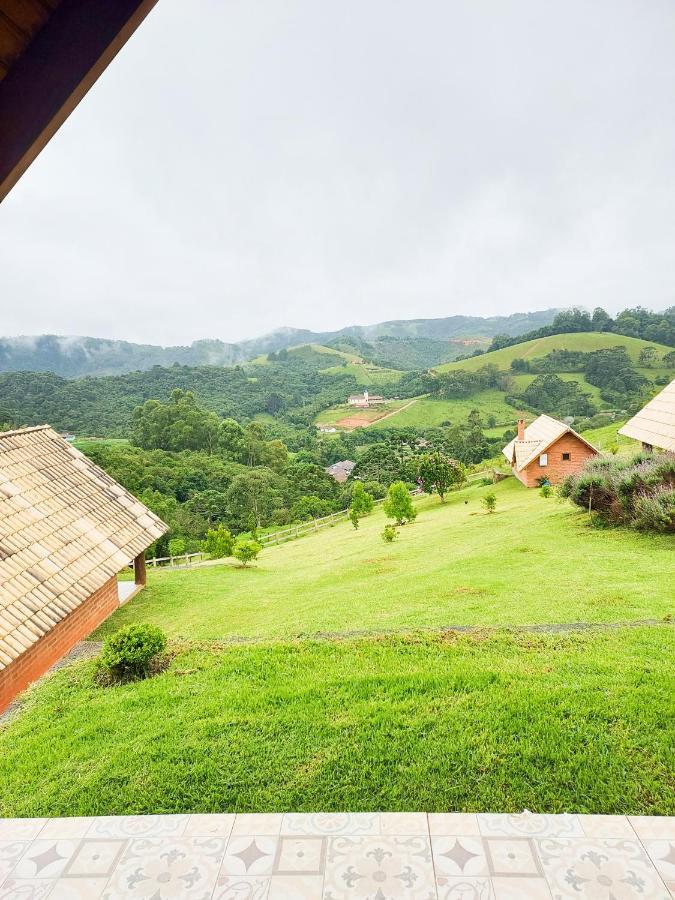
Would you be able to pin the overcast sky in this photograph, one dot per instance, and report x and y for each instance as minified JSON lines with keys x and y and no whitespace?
{"x":248,"y":164}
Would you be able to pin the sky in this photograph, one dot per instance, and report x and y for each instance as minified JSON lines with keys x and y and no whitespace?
{"x":250,"y":164}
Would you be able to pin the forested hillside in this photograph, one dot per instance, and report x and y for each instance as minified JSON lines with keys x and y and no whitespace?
{"x":74,"y":357}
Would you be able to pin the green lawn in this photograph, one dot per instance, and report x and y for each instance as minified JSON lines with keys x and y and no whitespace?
{"x":535,"y":560}
{"x":578,"y":723}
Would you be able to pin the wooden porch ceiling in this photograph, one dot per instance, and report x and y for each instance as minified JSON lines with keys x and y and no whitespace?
{"x":51,"y":53}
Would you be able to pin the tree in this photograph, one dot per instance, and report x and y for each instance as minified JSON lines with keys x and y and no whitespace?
{"x":398,"y":504}
{"x":439,"y":474}
{"x":246,"y":551}
{"x":253,"y":494}
{"x":489,"y":501}
{"x":219,"y":542}
{"x":647,"y":357}
{"x":361,"y":505}
{"x":176,"y":547}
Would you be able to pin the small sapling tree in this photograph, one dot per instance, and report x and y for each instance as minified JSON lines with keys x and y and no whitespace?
{"x":246,"y":551}
{"x":389,"y":534}
{"x":361,"y":505}
{"x":489,"y":501}
{"x":399,"y":505}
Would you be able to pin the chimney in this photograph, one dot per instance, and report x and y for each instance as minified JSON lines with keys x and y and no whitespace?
{"x":521,"y":429}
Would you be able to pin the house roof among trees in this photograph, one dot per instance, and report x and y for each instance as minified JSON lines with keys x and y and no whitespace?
{"x":539,"y":436}
{"x":655,"y":423}
{"x":65,"y":529}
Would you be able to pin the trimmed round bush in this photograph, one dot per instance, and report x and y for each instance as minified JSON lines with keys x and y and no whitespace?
{"x":128,"y":654}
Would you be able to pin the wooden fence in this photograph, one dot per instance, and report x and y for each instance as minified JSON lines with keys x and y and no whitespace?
{"x":290,"y":533}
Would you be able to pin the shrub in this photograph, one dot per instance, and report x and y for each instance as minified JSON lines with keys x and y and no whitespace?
{"x":246,"y":551}
{"x":219,"y":542}
{"x":489,"y":501}
{"x":638,"y":492}
{"x":129,"y":653}
{"x":546,"y":490}
{"x":389,"y":534}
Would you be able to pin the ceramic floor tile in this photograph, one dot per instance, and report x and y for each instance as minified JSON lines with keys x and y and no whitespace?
{"x":95,"y":858}
{"x":402,"y":824}
{"x":607,"y":827}
{"x":78,"y":889}
{"x":357,"y":868}
{"x":464,"y":889}
{"x":296,"y":887}
{"x":20,"y":829}
{"x":74,"y":827}
{"x":599,"y":869}
{"x":331,"y":823}
{"x":249,"y":855}
{"x":521,"y":889}
{"x":257,"y":823}
{"x":10,"y":854}
{"x":459,"y":856}
{"x":528,"y":824}
{"x":138,"y":826}
{"x":167,"y":869}
{"x":241,"y":887}
{"x":512,"y":856}
{"x":45,"y":859}
{"x":218,"y":825}
{"x":26,"y":889}
{"x":300,"y":856}
{"x":453,"y":824}
{"x":662,"y":854}
{"x":654,"y":828}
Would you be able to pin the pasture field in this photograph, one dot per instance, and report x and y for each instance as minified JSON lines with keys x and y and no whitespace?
{"x":456,"y":565}
{"x":584,"y":342}
{"x":428,"y":412}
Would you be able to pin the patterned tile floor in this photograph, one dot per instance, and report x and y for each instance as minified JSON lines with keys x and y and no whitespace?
{"x":331,"y":856}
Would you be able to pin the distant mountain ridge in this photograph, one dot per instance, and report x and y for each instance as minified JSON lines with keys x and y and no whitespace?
{"x":74,"y":357}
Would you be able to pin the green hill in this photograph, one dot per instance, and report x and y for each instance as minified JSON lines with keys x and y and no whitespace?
{"x":584,"y":342}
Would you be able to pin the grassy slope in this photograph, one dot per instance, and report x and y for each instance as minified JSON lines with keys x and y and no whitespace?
{"x":454,"y":565}
{"x":542,"y":346}
{"x":577,"y":723}
{"x":365,"y":373}
{"x":427,"y":412}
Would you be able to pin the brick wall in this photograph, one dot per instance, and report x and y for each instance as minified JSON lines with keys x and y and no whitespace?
{"x":58,"y":642}
{"x":558,"y":469}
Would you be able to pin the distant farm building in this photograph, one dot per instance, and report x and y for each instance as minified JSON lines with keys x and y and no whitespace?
{"x":654,"y":425}
{"x":547,"y":449}
{"x":66,"y":530}
{"x":365,"y":400}
{"x":341,"y":471}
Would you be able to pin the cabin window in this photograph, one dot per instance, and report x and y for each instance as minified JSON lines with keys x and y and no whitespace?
{"x":543,"y":459}
{"x":567,"y":457}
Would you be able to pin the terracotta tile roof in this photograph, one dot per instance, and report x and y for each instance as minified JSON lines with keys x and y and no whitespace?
{"x":539,"y":435}
{"x":65,"y":528}
{"x":655,"y":423}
